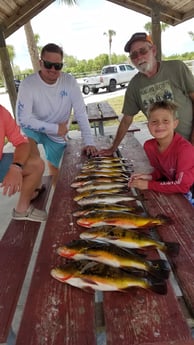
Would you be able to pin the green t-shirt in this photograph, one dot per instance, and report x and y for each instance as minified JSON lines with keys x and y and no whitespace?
{"x":172,"y":82}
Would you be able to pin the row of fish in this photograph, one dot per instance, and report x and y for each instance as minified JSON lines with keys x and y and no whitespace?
{"x":107,"y":257}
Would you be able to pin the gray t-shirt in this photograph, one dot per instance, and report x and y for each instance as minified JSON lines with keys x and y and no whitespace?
{"x":173,"y":82}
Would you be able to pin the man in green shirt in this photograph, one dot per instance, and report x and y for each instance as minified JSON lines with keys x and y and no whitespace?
{"x":155,"y":81}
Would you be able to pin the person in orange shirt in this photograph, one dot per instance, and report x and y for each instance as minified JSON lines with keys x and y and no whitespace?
{"x":20,"y":171}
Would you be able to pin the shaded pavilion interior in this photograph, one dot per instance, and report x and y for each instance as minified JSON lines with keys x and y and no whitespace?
{"x":14,"y":14}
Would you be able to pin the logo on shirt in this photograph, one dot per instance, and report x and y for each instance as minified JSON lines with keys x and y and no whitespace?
{"x":63,"y":93}
{"x":156,"y":93}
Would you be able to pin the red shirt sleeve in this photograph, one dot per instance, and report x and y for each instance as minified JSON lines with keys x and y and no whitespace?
{"x":12,"y":130}
{"x":180,"y":157}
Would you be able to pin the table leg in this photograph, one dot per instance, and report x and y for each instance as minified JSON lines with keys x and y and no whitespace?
{"x":101,"y":128}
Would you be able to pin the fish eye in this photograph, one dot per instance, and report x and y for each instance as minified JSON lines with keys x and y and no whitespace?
{"x":156,"y":266}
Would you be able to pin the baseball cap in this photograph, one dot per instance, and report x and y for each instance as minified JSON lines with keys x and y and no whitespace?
{"x":138,"y":36}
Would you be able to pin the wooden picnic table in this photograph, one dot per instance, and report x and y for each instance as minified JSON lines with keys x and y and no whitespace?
{"x":100,"y":112}
{"x":56,"y":313}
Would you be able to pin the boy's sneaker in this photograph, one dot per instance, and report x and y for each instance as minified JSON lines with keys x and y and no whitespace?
{"x":32,"y":214}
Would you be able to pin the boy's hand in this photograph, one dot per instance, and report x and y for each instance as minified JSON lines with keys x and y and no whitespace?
{"x":138,"y":183}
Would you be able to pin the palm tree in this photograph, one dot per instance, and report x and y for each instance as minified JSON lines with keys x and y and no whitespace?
{"x":191,"y":34}
{"x":110,"y":34}
{"x":162,"y":27}
{"x":148,"y":27}
{"x":31,"y":38}
{"x":32,"y":46}
{"x":11,"y":52}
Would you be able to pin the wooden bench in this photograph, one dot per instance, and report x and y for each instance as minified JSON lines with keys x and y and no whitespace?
{"x":56,"y":313}
{"x":133,"y":128}
{"x":16,"y":247}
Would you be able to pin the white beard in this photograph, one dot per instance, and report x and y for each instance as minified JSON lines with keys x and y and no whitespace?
{"x":145,"y":67}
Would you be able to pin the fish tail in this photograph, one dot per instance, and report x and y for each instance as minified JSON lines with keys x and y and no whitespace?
{"x":158,"y":286}
{"x":159,"y":269}
{"x":172,"y":248}
{"x":164,"y":219}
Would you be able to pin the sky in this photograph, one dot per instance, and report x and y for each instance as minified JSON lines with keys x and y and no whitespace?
{"x":80,"y":31}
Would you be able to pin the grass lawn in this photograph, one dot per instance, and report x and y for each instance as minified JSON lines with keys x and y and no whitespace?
{"x":116,"y":103}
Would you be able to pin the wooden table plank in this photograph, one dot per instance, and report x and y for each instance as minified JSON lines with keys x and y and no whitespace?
{"x":107,"y":112}
{"x":56,"y":313}
{"x":181,"y":212}
{"x":93,"y":111}
{"x":143,"y":318}
{"x":98,"y":113}
{"x":16,"y":248}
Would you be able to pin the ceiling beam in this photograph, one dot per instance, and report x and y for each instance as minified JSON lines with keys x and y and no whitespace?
{"x":167,"y":15}
{"x":24,"y":14}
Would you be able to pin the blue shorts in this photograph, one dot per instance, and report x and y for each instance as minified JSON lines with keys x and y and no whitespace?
{"x":53,"y":151}
{"x":5,"y":162}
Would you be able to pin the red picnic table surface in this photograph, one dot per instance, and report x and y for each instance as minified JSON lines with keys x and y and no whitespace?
{"x":56,"y":313}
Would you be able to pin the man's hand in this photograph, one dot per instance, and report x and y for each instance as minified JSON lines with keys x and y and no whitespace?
{"x":106,"y":152}
{"x":12,"y":182}
{"x":63,"y":129}
{"x":90,"y":150}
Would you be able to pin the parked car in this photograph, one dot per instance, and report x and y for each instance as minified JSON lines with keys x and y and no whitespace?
{"x":110,"y":77}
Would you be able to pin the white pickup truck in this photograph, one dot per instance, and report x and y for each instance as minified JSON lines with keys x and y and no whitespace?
{"x":111,"y":76}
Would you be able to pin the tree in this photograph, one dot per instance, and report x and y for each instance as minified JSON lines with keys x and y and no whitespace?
{"x":110,"y":34}
{"x":161,"y":27}
{"x":32,"y":42}
{"x":191,"y":34}
{"x":148,"y":27}
{"x":32,"y":46}
{"x":11,"y":52}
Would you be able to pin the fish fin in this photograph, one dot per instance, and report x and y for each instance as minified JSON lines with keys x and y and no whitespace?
{"x":88,"y":289}
{"x":139,"y":209}
{"x":140,"y":197}
{"x":164,"y":219}
{"x":172,"y":248}
{"x":135,"y":271}
{"x":137,"y":252}
{"x":159,"y":269}
{"x":89,"y":281}
{"x":92,"y":255}
{"x":158,"y":286}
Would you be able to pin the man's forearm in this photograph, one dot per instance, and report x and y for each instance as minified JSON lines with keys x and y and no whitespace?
{"x":122,"y":130}
{"x":21,"y":153}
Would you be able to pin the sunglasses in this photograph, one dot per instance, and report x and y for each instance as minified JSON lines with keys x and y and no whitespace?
{"x":48,"y":65}
{"x":142,"y":51}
